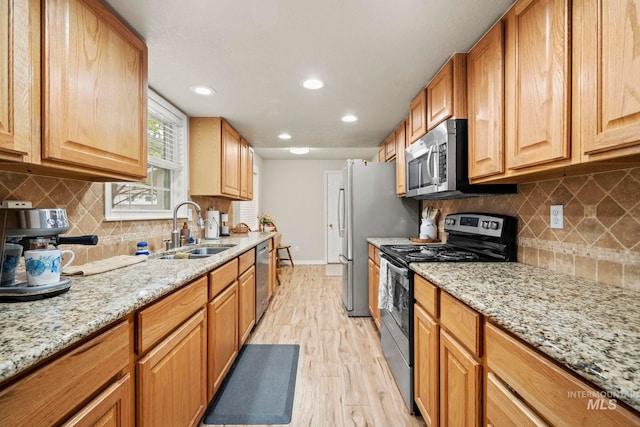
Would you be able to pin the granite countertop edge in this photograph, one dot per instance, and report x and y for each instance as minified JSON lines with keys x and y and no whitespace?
{"x":31,"y":332}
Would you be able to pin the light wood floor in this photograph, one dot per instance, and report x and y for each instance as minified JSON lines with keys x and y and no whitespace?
{"x":343,"y":378}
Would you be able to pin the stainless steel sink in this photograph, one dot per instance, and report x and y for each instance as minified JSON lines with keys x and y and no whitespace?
{"x":197,"y":253}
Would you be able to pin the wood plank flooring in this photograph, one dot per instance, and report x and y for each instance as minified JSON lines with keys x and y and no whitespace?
{"x":343,"y":378}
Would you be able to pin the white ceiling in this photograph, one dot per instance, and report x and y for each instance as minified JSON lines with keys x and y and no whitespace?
{"x":374,"y":56}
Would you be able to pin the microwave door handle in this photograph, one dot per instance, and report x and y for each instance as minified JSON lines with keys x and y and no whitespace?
{"x":429,"y":171}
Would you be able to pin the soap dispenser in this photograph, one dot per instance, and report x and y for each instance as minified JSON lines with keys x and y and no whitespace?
{"x":184,"y":234}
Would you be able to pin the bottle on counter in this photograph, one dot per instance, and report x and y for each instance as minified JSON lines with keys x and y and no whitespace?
{"x":185,"y":233}
{"x":142,"y":248}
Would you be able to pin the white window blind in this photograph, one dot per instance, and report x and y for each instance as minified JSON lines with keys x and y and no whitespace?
{"x":247,"y":211}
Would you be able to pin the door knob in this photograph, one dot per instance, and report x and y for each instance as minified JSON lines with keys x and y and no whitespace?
{"x":330,"y":225}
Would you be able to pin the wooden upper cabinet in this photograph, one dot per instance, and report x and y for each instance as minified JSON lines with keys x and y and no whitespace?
{"x":382,"y":153}
{"x":537,"y":87}
{"x":19,"y":79}
{"x":94,"y":72}
{"x":485,"y":103}
{"x":446,"y":92}
{"x":230,"y":167}
{"x":244,"y":169}
{"x":417,"y":125}
{"x":606,"y":70}
{"x":390,"y":147}
{"x":215,"y":159}
{"x":250,"y":173}
{"x":401,"y":166}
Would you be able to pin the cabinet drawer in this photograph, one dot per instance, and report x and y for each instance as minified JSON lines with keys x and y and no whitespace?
{"x":246,"y":260}
{"x":426,"y":295}
{"x":463,"y":322}
{"x":505,"y":409}
{"x":158,"y":320}
{"x":53,"y":391}
{"x":221,"y":277}
{"x":546,"y":387}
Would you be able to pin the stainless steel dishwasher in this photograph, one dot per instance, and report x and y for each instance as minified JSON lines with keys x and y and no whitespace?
{"x":262,"y":279}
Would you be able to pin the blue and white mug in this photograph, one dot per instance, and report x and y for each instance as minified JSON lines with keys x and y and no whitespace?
{"x":44,"y":266}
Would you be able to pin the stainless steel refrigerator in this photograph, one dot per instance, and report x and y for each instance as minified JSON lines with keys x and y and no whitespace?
{"x":369,"y":207}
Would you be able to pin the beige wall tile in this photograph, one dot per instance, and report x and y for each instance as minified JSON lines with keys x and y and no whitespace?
{"x":632,"y":276}
{"x":585,"y":267}
{"x":610,"y":272}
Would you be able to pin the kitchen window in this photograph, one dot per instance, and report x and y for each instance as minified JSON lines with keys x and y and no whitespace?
{"x":166,"y":183}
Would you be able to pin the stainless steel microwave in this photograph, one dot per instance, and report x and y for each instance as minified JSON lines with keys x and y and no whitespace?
{"x":437,"y":165}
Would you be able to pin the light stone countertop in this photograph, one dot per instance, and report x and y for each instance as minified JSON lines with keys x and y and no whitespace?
{"x":32,"y":331}
{"x":589,"y":327}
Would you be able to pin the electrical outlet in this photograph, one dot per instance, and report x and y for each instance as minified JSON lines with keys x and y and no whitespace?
{"x":556,"y":216}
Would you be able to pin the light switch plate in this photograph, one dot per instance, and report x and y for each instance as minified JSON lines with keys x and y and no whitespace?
{"x":556,"y":216}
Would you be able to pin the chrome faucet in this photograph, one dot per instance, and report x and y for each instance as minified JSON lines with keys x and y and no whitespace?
{"x":175,"y":234}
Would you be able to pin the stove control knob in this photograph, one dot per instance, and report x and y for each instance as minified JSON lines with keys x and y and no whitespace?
{"x":494,"y":225}
{"x":450,"y":221}
{"x":485,"y":224}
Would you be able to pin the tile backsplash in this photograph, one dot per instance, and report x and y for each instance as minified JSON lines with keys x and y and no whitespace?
{"x":600,"y":239}
{"x":601,"y":235}
{"x":84,"y":202}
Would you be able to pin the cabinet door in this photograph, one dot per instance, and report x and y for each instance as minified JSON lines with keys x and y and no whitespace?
{"x":460,"y":384}
{"x":230,"y":167}
{"x":382,"y":152}
{"x":537,"y":82}
{"x":374,"y":275}
{"x":605,"y":75}
{"x":390,"y":147}
{"x":112,"y":408}
{"x":485,"y":94}
{"x":401,"y":165}
{"x":94,"y":90}
{"x":223,"y":336}
{"x":19,"y":79}
{"x":417,"y":116}
{"x":244,"y":169}
{"x":250,"y":173}
{"x":247,"y":304}
{"x":171,"y":387}
{"x":446,"y":92}
{"x":425,"y":358}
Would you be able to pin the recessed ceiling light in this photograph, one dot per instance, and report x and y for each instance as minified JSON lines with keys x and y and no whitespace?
{"x":202,"y":90}
{"x":299,"y":150}
{"x":349,"y":118}
{"x":284,"y":136}
{"x":312,"y":84}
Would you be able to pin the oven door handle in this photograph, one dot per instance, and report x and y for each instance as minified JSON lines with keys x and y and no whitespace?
{"x":391,"y":266}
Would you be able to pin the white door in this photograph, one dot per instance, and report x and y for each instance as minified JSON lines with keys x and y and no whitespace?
{"x":333,"y":182}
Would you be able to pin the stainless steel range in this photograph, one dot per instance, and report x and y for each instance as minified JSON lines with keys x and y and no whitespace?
{"x":471,"y":237}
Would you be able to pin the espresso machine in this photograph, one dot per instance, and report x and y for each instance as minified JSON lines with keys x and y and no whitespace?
{"x":35,"y":229}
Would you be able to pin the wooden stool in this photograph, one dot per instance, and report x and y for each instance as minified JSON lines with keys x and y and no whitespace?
{"x":280,"y":247}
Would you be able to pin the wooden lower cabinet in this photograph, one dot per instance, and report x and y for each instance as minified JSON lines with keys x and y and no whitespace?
{"x":52,"y":394}
{"x":546,"y":388}
{"x":223,"y":336}
{"x":112,"y":408}
{"x":247,"y":303}
{"x":460,"y":384}
{"x":272,"y":269}
{"x":374,"y":279}
{"x":426,"y":363}
{"x":171,"y":378}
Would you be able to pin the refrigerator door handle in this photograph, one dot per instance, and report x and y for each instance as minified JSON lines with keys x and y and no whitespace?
{"x":341,"y":213}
